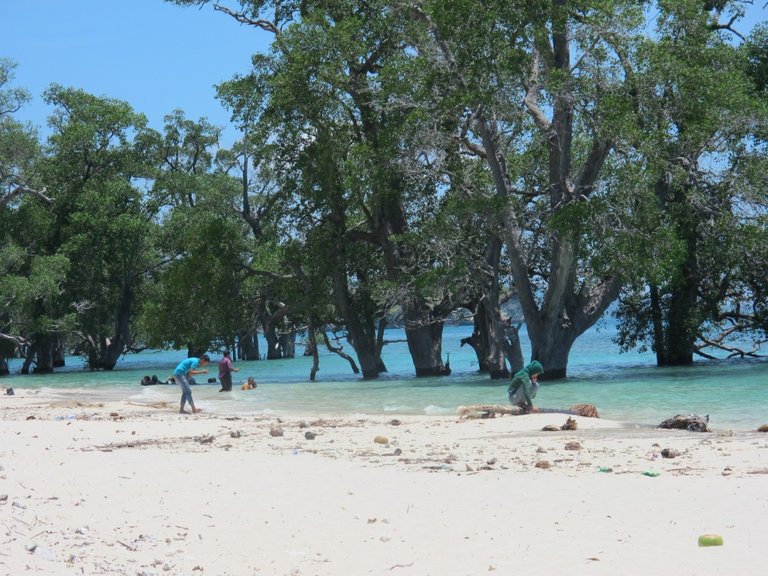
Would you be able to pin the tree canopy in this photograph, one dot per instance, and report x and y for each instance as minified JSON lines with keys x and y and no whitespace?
{"x":407,"y":163}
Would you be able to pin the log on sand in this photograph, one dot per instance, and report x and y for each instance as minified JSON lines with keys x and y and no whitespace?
{"x":490,"y":410}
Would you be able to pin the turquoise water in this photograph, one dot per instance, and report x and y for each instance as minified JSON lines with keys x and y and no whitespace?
{"x":626,"y":387}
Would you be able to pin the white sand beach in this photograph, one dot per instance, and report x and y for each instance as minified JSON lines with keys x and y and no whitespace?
{"x":126,"y":488}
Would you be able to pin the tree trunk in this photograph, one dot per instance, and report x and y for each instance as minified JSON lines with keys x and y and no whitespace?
{"x":495,"y":345}
{"x":193,"y":350}
{"x":46,"y":354}
{"x":425,"y":338}
{"x":287,"y":340}
{"x":338,"y":350}
{"x":58,"y":354}
{"x":515,"y":351}
{"x":311,"y":349}
{"x":362,"y":332}
{"x":681,"y":330}
{"x":682,"y":311}
{"x":381,"y":326}
{"x":475,"y":341}
{"x":495,"y":342}
{"x":551,"y":346}
{"x":272,"y":338}
{"x":365,"y":349}
{"x":657,"y":322}
{"x":103,"y":351}
{"x":248,"y":347}
{"x":494,"y":338}
{"x":567,"y":186}
{"x":498,"y":350}
{"x":40,"y":353}
{"x":423,"y":324}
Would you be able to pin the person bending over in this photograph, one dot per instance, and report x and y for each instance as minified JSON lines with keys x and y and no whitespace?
{"x":524,"y":386}
{"x":183,"y":374}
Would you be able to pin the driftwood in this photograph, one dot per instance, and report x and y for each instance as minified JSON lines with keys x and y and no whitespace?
{"x":490,"y":410}
{"x":586,"y":410}
{"x":690,"y":422}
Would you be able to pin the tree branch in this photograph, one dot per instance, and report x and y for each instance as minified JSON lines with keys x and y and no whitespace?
{"x":531,"y":101}
{"x":18,"y":341}
{"x":6,"y":198}
{"x":266,"y":25}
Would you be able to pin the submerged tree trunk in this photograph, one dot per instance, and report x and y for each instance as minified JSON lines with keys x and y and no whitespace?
{"x":248,"y":347}
{"x":58,"y":353}
{"x":681,"y":335}
{"x":502,"y":337}
{"x":269,"y":330}
{"x":311,"y":349}
{"x":494,"y":338}
{"x":425,"y":339}
{"x":103,"y":351}
{"x":678,"y":338}
{"x":679,"y":321}
{"x":423,"y":323}
{"x":476,"y":342}
{"x":340,"y":351}
{"x":41,"y":353}
{"x":360,"y":326}
{"x":46,"y":354}
{"x":657,"y":322}
{"x":495,"y":341}
{"x":551,"y":346}
{"x":381,"y":326}
{"x":498,"y":350}
{"x":287,"y":340}
{"x":516,"y":351}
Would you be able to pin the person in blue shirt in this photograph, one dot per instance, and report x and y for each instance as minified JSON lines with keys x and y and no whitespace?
{"x":183,"y":373}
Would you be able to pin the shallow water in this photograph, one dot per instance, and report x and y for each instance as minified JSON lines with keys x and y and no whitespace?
{"x":626,"y":387}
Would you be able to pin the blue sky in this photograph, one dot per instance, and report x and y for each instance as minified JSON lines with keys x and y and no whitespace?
{"x":154,"y":55}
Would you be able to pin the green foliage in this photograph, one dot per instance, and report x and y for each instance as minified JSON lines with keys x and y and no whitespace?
{"x":701,"y":117}
{"x":757,"y":55}
{"x":200,"y":295}
{"x":29,"y":287}
{"x":95,"y":173}
{"x":386,"y":148}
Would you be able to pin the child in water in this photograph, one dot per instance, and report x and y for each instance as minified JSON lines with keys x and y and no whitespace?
{"x":250,"y":384}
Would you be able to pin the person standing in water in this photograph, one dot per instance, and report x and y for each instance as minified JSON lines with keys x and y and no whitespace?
{"x":524,"y":386}
{"x":182,"y":374}
{"x":225,"y":372}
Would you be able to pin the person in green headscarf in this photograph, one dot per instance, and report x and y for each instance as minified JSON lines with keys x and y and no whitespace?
{"x":522,"y":390}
